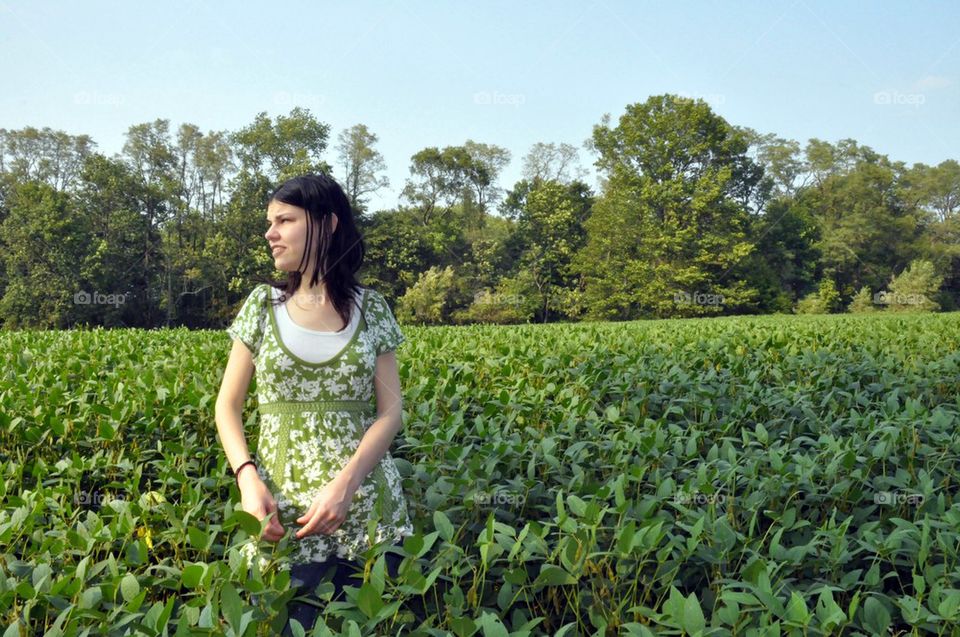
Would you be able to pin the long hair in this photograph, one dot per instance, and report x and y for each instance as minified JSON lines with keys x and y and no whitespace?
{"x":339,"y":253}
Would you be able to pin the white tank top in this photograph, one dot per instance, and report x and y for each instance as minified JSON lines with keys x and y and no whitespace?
{"x":312,"y":346}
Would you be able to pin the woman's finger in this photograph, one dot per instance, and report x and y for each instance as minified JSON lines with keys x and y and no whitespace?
{"x":309,"y":514}
{"x":274,"y":530}
{"x":275,"y":524}
{"x":317,"y":523}
{"x":333,"y":523}
{"x":268,"y":530}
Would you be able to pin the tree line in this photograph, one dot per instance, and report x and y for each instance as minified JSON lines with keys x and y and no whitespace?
{"x":693,"y":216}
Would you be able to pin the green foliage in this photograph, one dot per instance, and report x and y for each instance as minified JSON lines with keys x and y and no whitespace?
{"x":938,"y":187}
{"x":361,"y":164}
{"x":782,"y":162}
{"x":44,"y":237}
{"x":722,"y":475}
{"x":550,"y":231}
{"x":127,"y":256}
{"x":514,"y":300}
{"x":866,"y":229}
{"x":829,"y":296}
{"x":672,"y":218}
{"x":783,"y":266}
{"x":913,"y":289}
{"x":695,"y":217}
{"x":288,"y":146}
{"x":810,"y":304}
{"x":425,"y":302}
{"x":52,"y":157}
{"x":397,"y":248}
{"x":444,"y":178}
{"x":825,"y":300}
{"x":862,"y":302}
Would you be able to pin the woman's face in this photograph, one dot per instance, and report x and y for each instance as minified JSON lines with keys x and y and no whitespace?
{"x":287,"y":236}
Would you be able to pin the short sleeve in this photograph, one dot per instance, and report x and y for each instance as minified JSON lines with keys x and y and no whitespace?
{"x":250,"y":322}
{"x":388,"y":334}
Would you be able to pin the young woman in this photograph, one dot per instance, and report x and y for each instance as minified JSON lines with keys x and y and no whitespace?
{"x":322,"y":346}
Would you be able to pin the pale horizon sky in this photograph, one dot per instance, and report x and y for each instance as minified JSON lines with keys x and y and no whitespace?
{"x":422,"y":74}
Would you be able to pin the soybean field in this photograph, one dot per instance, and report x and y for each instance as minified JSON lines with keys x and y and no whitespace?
{"x":770,"y":475}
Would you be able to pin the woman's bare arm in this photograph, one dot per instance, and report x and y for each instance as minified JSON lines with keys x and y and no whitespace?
{"x":255,"y":497}
{"x":229,"y":406}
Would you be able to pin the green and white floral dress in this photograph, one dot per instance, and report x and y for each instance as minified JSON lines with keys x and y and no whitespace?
{"x":312,"y":417}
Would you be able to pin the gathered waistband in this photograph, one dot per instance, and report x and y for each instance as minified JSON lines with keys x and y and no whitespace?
{"x":293,"y":407}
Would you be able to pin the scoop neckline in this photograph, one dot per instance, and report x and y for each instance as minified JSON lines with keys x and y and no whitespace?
{"x":332,"y":359}
{"x":307,"y":330}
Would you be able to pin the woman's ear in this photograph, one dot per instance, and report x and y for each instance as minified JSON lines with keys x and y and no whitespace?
{"x":333,"y":227}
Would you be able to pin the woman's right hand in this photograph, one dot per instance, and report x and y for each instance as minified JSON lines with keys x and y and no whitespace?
{"x":256,"y":499}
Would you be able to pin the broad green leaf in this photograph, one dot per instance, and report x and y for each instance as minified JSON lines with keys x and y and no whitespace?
{"x":231,"y":606}
{"x":129,"y":587}
{"x":552,"y":575}
{"x":442,"y":523}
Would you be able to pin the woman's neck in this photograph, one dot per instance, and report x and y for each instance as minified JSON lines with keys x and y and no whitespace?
{"x":315,"y":295}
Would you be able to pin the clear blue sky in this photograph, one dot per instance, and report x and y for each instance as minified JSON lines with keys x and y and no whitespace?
{"x":424,"y":74}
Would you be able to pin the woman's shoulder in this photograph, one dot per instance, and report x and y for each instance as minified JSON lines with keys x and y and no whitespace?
{"x":372,"y":296}
{"x":262,"y":291}
{"x":260,"y":295}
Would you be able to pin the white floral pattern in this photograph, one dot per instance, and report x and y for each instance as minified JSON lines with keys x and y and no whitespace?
{"x":312,"y":417}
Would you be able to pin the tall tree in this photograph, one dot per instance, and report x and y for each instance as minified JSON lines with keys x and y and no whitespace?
{"x":151,"y":155}
{"x":784,"y":266}
{"x":213,"y":160}
{"x":44,"y":238}
{"x":361,"y":164}
{"x":286,"y":147}
{"x":672,"y":219}
{"x":782,"y":161}
{"x":435,"y":185}
{"x":464,"y":175}
{"x":867,"y":229}
{"x":110,"y":201}
{"x":52,"y":157}
{"x":397,"y":250}
{"x":552,"y":162}
{"x":936,"y":191}
{"x":938,"y":188}
{"x":550,"y":227}
{"x":482,"y":169}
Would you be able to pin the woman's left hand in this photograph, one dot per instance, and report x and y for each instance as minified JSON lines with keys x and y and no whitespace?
{"x":328,"y":511}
